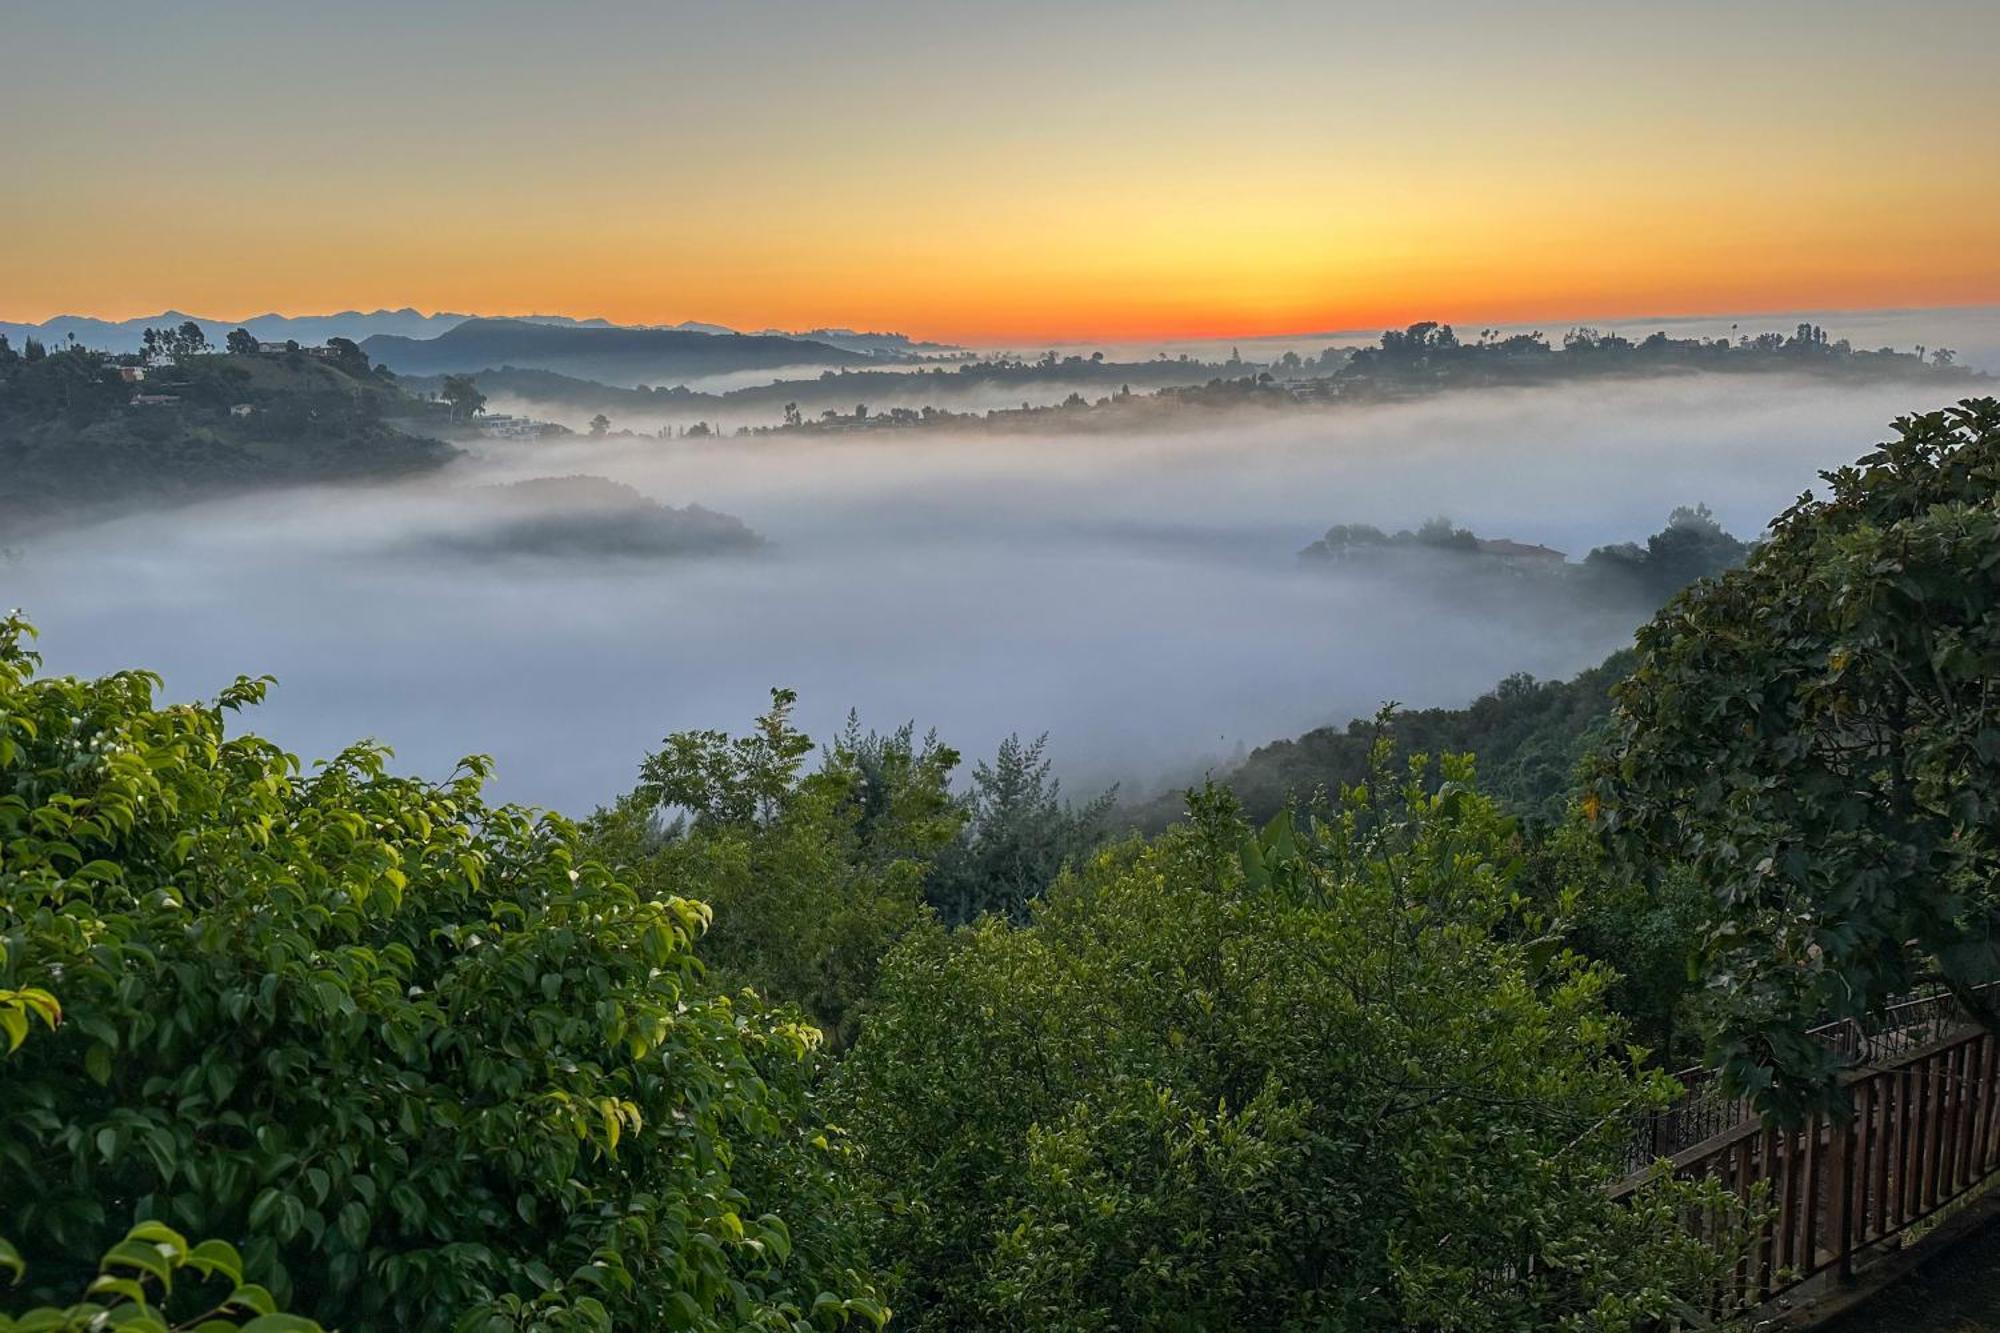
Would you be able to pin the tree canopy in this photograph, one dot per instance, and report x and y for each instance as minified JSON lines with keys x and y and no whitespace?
{"x":1019,"y":834}
{"x":813,"y":872}
{"x":1817,"y":735}
{"x":462,"y":393}
{"x":419,"y":1057}
{"x":1339,"y":1075}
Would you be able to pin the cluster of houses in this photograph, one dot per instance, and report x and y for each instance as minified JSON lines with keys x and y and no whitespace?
{"x":132,"y":368}
{"x":502,"y":426}
{"x":170,"y":399}
{"x":281,"y":349}
{"x":1522,"y":555}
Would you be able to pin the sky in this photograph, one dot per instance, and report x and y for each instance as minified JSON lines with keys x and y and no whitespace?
{"x":999,"y":173}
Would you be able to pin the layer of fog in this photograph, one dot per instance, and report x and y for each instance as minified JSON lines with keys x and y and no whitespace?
{"x":728,"y":380}
{"x":1138,"y":597}
{"x":948,"y":392}
{"x":725,"y":381}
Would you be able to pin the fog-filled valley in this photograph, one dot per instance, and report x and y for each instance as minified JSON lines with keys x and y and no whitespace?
{"x":751,"y":399}
{"x":1138,"y":596}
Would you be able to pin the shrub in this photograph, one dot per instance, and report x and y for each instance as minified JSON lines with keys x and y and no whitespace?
{"x":1335,"y":1076}
{"x":414,"y":1054}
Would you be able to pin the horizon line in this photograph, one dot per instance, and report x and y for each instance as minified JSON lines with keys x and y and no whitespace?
{"x":1049,"y":339}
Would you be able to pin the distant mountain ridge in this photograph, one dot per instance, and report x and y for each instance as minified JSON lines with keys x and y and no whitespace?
{"x":621,"y":356}
{"x":123,"y":335}
{"x":119,"y":336}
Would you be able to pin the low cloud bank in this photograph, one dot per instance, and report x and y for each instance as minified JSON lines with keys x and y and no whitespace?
{"x":1138,"y":597}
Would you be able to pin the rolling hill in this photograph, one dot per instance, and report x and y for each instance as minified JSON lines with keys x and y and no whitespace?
{"x":78,"y":439}
{"x":612,"y":355}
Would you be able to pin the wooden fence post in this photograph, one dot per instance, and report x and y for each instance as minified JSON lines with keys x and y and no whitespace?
{"x":1840,"y":1190}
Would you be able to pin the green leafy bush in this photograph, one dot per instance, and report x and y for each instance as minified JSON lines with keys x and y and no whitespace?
{"x":1334,"y":1076}
{"x":424,"y":1062}
{"x":134,"y":1289}
{"x":1817,"y":735}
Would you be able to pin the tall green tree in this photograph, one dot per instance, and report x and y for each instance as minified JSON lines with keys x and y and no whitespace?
{"x":463,"y":395}
{"x":814,"y":872}
{"x":1019,"y":833}
{"x":1817,"y":734}
{"x":347,"y":354}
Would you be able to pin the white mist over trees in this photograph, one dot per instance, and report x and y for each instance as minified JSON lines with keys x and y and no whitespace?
{"x":1138,"y":597}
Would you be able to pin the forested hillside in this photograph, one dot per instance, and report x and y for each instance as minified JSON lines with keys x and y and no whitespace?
{"x":837,"y":391}
{"x":82,"y":432}
{"x":1528,"y":734}
{"x":1429,"y":358}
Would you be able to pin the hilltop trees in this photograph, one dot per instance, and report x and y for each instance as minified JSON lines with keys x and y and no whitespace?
{"x":1692,"y":546}
{"x":348,"y":356}
{"x":1431,"y":355}
{"x":240,"y":342}
{"x":184,"y":340}
{"x":418,"y":1056}
{"x":462,"y":393}
{"x":1818,"y":735}
{"x":1446,"y":560}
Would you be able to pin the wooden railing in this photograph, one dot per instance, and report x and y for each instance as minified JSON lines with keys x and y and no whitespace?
{"x":1703,"y":1111}
{"x":1925,"y":1131}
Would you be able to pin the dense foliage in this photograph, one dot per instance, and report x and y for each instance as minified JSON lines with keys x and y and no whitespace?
{"x":416,"y":1061}
{"x":813,"y":874}
{"x":1342,"y":1075}
{"x":1529,"y":736}
{"x":1817,"y":735}
{"x":134,"y":1290}
{"x":418,"y":1057}
{"x":816,"y":872}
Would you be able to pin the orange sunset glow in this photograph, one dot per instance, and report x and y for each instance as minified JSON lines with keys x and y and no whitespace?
{"x":1304,"y":167}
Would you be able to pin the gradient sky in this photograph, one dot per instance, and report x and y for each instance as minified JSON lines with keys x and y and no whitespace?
{"x":987,"y":172}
